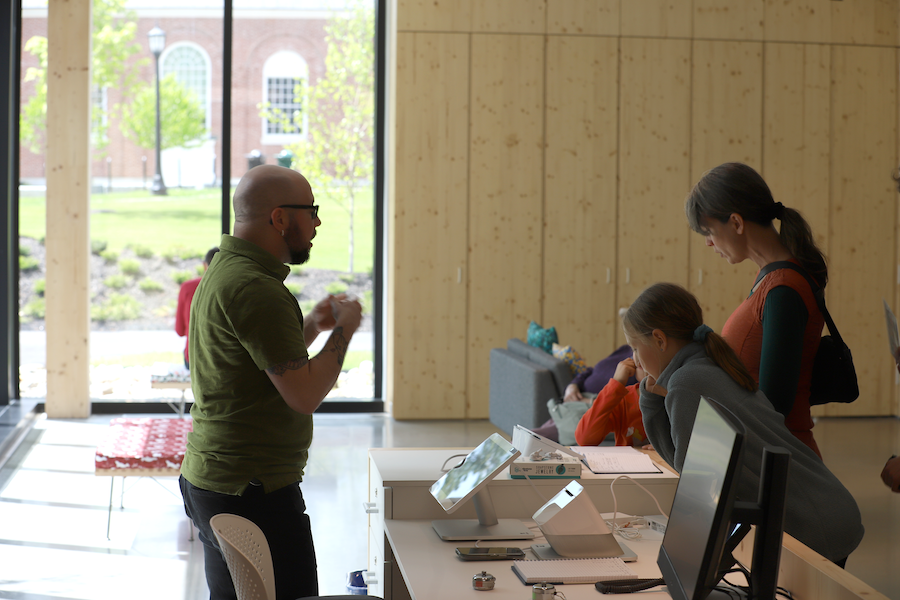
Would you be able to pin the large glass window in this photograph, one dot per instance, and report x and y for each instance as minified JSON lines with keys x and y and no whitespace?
{"x":302,"y":62}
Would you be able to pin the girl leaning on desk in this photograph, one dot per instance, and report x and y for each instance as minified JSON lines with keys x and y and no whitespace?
{"x":684,"y":359}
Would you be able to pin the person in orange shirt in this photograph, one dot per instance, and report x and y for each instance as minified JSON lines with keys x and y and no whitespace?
{"x":615,"y":410}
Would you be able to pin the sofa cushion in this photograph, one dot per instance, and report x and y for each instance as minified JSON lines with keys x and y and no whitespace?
{"x":570,"y":356}
{"x":541,"y":338}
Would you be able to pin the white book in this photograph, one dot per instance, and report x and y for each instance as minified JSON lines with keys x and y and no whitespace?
{"x":572,"y":570}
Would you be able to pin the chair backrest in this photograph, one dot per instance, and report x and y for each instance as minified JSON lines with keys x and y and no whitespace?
{"x":247,"y":554}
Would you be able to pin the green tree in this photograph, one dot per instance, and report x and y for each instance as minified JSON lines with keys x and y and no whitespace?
{"x":182,"y":119}
{"x":112,"y":47}
{"x":339,"y":148}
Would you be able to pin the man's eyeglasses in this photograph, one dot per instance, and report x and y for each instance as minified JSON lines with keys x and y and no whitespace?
{"x":313,"y":207}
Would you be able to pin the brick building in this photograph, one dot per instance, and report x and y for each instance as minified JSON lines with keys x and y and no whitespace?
{"x":276,"y":44}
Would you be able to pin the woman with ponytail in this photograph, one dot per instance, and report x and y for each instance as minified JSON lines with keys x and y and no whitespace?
{"x":685,"y":359}
{"x":776,"y":330}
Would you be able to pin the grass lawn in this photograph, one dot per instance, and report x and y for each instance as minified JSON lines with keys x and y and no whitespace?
{"x":191,"y":219}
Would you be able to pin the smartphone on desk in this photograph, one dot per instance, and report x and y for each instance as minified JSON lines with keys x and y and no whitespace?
{"x":490,"y":553}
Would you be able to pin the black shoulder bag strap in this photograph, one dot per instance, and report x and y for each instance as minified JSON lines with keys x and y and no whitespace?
{"x":818,"y":292}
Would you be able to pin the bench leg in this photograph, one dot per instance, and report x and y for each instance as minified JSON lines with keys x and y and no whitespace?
{"x":112,"y":482}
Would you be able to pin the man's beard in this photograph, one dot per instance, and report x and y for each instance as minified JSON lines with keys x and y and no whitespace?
{"x":298,"y":257}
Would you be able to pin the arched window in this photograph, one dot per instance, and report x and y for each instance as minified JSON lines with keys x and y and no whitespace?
{"x":285,"y":75}
{"x":191,"y":66}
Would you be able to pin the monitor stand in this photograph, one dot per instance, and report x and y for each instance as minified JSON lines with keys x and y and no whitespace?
{"x":485,"y":527}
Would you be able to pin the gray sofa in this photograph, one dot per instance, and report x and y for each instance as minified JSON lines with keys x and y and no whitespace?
{"x":523,"y":378}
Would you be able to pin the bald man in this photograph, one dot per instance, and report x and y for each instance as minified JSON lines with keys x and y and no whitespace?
{"x":255,"y":386}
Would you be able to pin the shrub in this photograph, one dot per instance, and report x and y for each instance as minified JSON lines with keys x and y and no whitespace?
{"x":130,"y":266}
{"x":110,"y":256}
{"x":294,"y":287}
{"x":98,"y":246}
{"x":142,"y":251}
{"x":36,"y":309}
{"x":116,"y":282}
{"x":200,"y":270}
{"x":28,"y":263}
{"x":118,"y":307}
{"x":24,"y":251}
{"x":40,"y":286}
{"x":336,"y":287}
{"x":181,"y":276}
{"x":296,"y":270}
{"x":150,"y":285}
{"x":347,"y":277}
{"x":166,"y":310}
{"x":367,"y":302}
{"x":173,"y":253}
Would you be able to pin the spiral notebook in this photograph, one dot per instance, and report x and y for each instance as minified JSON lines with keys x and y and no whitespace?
{"x":572,"y":570}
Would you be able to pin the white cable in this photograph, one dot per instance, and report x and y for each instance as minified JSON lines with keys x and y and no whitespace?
{"x":536,"y":490}
{"x":444,"y":468}
{"x":621,"y":530}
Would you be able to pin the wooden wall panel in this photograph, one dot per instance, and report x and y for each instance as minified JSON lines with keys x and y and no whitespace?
{"x":68,"y":204}
{"x":798,"y":21}
{"x":796,"y":138}
{"x":580,"y":192}
{"x":656,"y":18}
{"x":865,"y":22}
{"x":727,"y":19}
{"x":428,"y":230}
{"x":863,"y":213}
{"x":435,"y":15}
{"x":726,"y":126}
{"x":894,"y":302}
{"x":505,"y":199}
{"x":583,"y":17}
{"x":510,"y":16}
{"x":654,"y":165}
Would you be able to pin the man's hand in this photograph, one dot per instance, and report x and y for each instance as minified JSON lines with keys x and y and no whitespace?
{"x":890,"y":475}
{"x":625,"y":370}
{"x":573,"y":394}
{"x":322,"y":315}
{"x":346,"y":312}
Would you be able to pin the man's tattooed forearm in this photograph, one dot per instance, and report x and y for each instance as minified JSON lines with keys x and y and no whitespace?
{"x":291,"y":365}
{"x":340,"y":344}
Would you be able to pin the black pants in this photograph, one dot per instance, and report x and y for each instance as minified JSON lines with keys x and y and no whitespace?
{"x":282,"y":517}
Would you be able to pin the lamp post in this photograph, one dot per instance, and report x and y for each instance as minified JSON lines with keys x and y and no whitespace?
{"x":157,"y":39}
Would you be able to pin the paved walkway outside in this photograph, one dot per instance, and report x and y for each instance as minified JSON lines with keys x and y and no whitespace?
{"x":108,"y":344}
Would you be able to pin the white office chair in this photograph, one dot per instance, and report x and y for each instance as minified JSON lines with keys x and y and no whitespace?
{"x":248,"y":556}
{"x":249,"y":559}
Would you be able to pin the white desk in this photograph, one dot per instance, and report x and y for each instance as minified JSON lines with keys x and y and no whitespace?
{"x":432,"y":571}
{"x":408,"y":561}
{"x":399,"y":480}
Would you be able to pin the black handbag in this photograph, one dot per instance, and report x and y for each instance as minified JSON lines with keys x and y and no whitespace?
{"x":833,"y":374}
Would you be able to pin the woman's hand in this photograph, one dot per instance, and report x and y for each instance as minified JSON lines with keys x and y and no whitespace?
{"x":573,"y":394}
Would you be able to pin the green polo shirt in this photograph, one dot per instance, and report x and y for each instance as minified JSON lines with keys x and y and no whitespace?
{"x":243,"y":321}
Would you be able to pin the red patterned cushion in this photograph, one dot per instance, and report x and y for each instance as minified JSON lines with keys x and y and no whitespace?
{"x":143,"y":444}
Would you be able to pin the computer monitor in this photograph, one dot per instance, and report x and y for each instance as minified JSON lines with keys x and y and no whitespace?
{"x":468,"y":480}
{"x":706,"y":521}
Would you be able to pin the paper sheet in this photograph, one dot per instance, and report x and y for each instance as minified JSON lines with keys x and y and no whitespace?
{"x":616,"y":459}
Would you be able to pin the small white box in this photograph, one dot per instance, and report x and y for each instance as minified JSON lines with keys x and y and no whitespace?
{"x":565,"y":467}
